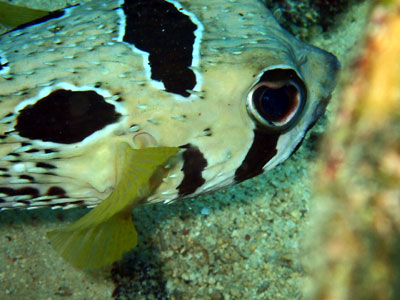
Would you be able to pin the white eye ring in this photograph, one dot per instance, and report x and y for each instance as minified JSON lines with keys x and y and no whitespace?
{"x":277,"y":104}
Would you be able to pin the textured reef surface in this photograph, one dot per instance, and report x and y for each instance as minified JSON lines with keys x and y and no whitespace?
{"x":354,"y":236}
{"x":306,"y":18}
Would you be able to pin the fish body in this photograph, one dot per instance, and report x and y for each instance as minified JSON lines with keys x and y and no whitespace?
{"x":191,"y":94}
{"x":220,"y":80}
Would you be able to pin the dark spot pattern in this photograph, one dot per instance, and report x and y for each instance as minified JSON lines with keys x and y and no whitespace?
{"x":65,"y":116}
{"x":45,"y":165}
{"x":159,"y":28}
{"x":48,"y":151}
{"x":56,"y":191}
{"x":32,"y":150}
{"x":193,"y":165}
{"x":3,"y":65}
{"x":27,"y":177}
{"x":26,"y":202}
{"x":33,"y":192}
{"x":261,"y":151}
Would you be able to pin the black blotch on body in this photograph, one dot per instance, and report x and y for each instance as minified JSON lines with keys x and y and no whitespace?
{"x":21,"y":191}
{"x":260,"y":152}
{"x":48,"y":151}
{"x":65,"y":117}
{"x":45,"y":165}
{"x":56,"y":191}
{"x":159,"y":28}
{"x":27,"y":177}
{"x":26,"y":202}
{"x":193,"y":165}
{"x":32,"y":150}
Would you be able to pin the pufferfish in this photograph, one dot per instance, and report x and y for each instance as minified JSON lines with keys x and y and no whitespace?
{"x":110,"y":104}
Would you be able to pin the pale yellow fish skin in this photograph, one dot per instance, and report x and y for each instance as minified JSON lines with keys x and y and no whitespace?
{"x":240,"y":39}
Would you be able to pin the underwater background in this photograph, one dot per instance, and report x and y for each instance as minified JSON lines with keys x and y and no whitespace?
{"x":245,"y":242}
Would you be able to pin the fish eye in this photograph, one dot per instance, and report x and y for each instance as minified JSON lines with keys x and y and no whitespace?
{"x":277,"y":100}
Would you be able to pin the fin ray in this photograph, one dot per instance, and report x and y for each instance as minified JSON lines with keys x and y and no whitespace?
{"x":101,"y":236}
{"x":14,"y":15}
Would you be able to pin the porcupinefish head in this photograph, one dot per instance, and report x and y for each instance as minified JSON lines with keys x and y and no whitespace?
{"x":218,"y":86}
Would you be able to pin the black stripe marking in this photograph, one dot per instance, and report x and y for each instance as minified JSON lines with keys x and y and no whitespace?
{"x":48,"y":151}
{"x":26,"y":202}
{"x":66,"y":116}
{"x":159,"y":28}
{"x":45,"y":165}
{"x":32,"y":150}
{"x":193,"y":165}
{"x":260,"y":152}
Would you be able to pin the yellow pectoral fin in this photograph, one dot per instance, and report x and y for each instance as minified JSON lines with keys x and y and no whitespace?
{"x":101,"y":236}
{"x":14,"y":15}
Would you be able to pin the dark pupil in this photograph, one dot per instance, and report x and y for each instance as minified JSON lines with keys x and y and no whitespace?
{"x":273,"y":104}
